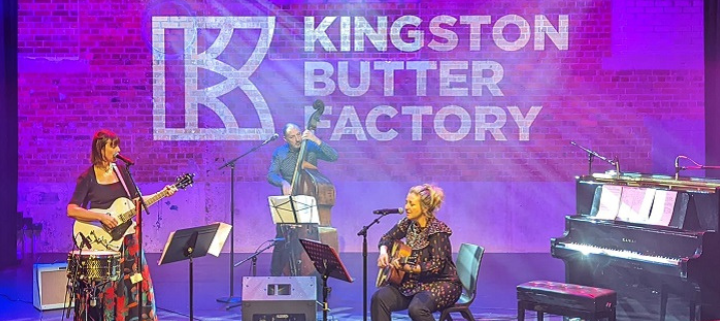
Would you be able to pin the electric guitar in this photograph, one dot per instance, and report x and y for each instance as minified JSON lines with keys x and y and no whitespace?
{"x":123,"y":210}
{"x":390,"y":275}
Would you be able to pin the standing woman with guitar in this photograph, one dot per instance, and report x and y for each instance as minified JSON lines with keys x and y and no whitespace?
{"x":99,"y":187}
{"x":428,"y":284}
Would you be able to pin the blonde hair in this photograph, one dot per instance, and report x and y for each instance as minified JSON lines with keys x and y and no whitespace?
{"x":431,"y":198}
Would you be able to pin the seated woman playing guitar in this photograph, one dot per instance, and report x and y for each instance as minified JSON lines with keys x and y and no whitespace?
{"x":432,"y":283}
{"x":99,"y":187}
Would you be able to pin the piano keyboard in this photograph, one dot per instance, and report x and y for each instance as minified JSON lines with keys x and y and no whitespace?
{"x":629,"y":255}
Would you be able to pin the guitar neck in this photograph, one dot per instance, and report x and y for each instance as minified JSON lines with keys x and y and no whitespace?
{"x":124,"y":217}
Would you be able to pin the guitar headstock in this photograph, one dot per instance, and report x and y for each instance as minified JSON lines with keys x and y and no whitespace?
{"x":184,"y":181}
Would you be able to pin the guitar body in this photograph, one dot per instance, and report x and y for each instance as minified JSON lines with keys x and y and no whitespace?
{"x":123,"y":210}
{"x":390,"y":275}
{"x":105,"y":239}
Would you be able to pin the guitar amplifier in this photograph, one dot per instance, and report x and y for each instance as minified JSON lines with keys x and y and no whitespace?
{"x":49,"y":286}
{"x":279,"y":298}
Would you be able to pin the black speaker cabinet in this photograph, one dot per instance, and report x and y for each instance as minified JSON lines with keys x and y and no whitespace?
{"x":279,"y":298}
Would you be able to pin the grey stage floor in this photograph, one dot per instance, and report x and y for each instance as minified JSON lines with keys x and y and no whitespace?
{"x":499,"y":274}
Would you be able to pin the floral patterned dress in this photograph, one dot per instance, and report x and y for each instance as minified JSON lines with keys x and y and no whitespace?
{"x":116,"y":300}
{"x":431,"y":245}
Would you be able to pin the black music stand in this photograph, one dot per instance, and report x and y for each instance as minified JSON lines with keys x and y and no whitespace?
{"x":327,"y":263}
{"x":187,"y":244}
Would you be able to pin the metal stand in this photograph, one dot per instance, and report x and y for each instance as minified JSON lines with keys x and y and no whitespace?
{"x":73,"y":282}
{"x":696,"y":166}
{"x":187,"y":244}
{"x":363,"y":233}
{"x":327,"y":263}
{"x":138,"y":231}
{"x":252,"y":258}
{"x":591,"y":154}
{"x":232,"y":298}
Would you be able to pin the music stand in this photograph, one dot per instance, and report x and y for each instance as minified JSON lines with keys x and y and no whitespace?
{"x":195,"y":242}
{"x":289,"y":212}
{"x":327,"y":263}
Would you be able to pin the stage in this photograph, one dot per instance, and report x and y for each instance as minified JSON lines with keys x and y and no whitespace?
{"x":510,"y":107}
{"x":499,"y":274}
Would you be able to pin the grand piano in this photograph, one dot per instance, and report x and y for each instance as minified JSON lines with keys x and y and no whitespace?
{"x":651,"y":238}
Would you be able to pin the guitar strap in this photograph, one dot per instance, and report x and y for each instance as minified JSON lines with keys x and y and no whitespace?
{"x":122,"y":181}
{"x":135,"y":277}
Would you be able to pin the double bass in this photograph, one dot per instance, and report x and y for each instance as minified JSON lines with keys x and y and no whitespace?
{"x":307,"y":180}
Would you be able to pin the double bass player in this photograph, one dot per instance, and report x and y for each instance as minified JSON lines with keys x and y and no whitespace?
{"x":285,"y":157}
{"x":282,"y":170}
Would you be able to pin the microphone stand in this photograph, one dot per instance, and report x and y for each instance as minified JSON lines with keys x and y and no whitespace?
{"x":363,"y":233}
{"x":615,"y":162}
{"x":138,"y":230}
{"x":232,"y":298}
{"x":678,"y":168}
{"x":254,"y":267}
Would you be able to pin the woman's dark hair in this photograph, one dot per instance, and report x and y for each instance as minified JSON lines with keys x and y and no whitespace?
{"x":101,"y":138}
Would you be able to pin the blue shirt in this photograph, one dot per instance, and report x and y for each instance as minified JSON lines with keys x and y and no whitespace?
{"x":284,"y":160}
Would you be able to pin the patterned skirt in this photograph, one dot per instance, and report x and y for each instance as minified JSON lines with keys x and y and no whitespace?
{"x":118,"y":300}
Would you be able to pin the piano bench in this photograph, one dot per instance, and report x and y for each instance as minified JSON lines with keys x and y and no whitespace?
{"x":567,"y":300}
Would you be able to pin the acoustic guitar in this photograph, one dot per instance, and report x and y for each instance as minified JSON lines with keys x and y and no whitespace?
{"x":390,"y":275}
{"x":123,"y":210}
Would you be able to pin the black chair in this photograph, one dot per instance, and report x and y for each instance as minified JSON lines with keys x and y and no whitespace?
{"x":468,"y":269}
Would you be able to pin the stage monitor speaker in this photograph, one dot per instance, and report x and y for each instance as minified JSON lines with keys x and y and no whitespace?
{"x":279,"y":298}
{"x":49,"y":286}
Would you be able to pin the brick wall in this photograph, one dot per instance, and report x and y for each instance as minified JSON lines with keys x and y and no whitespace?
{"x":629,"y":84}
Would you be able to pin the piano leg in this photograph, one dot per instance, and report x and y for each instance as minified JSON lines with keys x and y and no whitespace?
{"x":693,"y":306}
{"x":663,"y":301}
{"x":521,"y":311}
{"x":540,"y":316}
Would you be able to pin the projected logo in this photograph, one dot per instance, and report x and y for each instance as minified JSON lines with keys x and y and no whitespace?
{"x":193,"y":64}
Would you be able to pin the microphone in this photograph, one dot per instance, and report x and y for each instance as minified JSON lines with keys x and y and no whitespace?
{"x":677,"y":162}
{"x":271,"y":138}
{"x":85,"y":241}
{"x":678,"y":168}
{"x":124,"y":159}
{"x":277,"y":239}
{"x":397,"y":210}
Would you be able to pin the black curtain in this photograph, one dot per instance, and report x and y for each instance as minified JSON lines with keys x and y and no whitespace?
{"x":8,"y":134}
{"x":712,"y":85}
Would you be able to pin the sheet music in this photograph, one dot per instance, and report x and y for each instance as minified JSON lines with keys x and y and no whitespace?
{"x":635,"y":204}
{"x":305,"y":208}
{"x":609,"y":202}
{"x":165,"y":248}
{"x":663,"y":207}
{"x":219,"y":241}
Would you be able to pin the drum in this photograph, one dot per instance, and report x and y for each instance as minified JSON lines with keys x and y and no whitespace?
{"x":98,"y":266}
